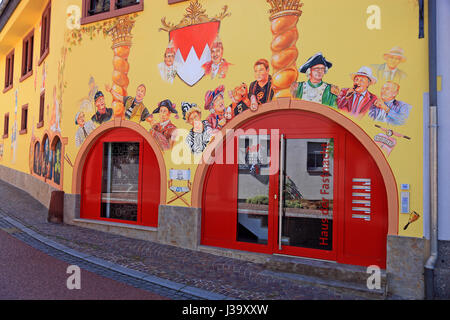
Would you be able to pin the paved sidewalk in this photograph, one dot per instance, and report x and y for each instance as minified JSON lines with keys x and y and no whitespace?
{"x":186,"y":274}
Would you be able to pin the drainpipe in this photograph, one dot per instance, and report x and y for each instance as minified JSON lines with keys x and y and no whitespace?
{"x":433,"y":131}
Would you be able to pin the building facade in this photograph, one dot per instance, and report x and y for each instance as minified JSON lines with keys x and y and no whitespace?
{"x":272,"y":127}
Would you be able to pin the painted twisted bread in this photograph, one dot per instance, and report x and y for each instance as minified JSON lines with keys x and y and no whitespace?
{"x":120,"y":78}
{"x":284,"y":53}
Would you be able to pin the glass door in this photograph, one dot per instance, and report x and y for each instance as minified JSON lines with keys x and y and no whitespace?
{"x":306,"y":190}
{"x":120,"y":181}
{"x":253,"y":189}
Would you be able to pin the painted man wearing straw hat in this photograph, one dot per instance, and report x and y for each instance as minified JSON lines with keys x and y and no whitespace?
{"x":358,"y":100}
{"x":389,"y":71}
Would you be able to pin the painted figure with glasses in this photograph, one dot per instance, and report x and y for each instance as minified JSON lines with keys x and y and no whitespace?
{"x":315,"y":89}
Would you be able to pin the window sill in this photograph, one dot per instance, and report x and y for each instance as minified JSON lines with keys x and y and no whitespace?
{"x":23,"y":131}
{"x":115,"y":13}
{"x":5,"y":136}
{"x":175,"y":1}
{"x":115,"y":224}
{"x":40,"y":124}
{"x":7,"y":89}
{"x":43,"y":56}
{"x":26,"y":76}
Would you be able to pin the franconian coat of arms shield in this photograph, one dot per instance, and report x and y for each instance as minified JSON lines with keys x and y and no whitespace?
{"x":192,"y":39}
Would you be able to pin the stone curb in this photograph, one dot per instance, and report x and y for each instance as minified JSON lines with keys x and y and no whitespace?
{"x":200,"y":293}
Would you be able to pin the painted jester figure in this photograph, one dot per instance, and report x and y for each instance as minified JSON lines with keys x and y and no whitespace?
{"x":315,"y":89}
{"x":214,"y":102}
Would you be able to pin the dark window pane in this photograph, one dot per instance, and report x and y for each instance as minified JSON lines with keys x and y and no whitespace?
{"x":57,"y":163}
{"x":99,"y":6}
{"x":126,"y":3}
{"x":120,"y":180}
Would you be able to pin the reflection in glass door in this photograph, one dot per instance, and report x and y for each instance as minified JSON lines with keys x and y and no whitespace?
{"x":120,"y":181}
{"x":306,"y":189}
{"x":253,"y":188}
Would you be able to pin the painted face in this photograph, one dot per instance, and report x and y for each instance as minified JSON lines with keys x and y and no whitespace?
{"x":216,"y":55}
{"x":393,"y":61}
{"x":196,"y":121}
{"x":193,"y":117}
{"x":164,"y":114}
{"x":100,"y":103}
{"x":169,"y":58}
{"x":140,"y":93}
{"x":362,"y":83}
{"x":81,"y":119}
{"x":317,"y":73}
{"x":389,"y":91}
{"x":219,"y":105}
{"x":261,"y":73}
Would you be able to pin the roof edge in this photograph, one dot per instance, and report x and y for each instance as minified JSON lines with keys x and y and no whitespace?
{"x":7,"y":8}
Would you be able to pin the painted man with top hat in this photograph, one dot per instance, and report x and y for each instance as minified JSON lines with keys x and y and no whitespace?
{"x":358,"y":100}
{"x":164,"y":131}
{"x":389,"y":70}
{"x":315,"y":89}
{"x":103,"y":114}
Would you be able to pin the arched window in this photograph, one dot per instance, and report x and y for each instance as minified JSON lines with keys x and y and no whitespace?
{"x":56,"y":161}
{"x":47,"y":159}
{"x":37,"y":164}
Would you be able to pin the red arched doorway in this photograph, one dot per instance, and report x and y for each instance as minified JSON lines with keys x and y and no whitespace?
{"x":299,"y":184}
{"x":121,"y":180}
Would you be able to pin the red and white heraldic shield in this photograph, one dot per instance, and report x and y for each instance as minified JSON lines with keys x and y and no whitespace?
{"x":193,"y":49}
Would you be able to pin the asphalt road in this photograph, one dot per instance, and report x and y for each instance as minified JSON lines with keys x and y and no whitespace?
{"x":29,"y":274}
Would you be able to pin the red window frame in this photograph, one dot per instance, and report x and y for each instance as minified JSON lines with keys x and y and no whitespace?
{"x":113,"y":12}
{"x":40,"y":123}
{"x":27,"y":56}
{"x":6,"y":126}
{"x":24,"y":120}
{"x":149,"y":180}
{"x":45,"y":33}
{"x":9,"y":71}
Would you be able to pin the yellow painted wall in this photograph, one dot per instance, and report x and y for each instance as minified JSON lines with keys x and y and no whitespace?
{"x":338,"y":29}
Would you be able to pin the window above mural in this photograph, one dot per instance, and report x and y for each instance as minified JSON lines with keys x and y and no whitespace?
{"x":95,"y":10}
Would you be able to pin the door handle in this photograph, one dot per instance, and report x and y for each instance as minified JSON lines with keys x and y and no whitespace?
{"x":280,"y":203}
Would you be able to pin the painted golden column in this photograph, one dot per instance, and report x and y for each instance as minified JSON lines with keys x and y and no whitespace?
{"x":284,"y":17}
{"x":121,"y":38}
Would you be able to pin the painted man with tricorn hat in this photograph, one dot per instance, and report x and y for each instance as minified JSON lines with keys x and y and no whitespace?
{"x":165,"y":132}
{"x":358,"y":100}
{"x":389,"y":71}
{"x":315,"y":89}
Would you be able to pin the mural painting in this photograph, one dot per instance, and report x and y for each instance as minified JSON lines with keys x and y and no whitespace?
{"x":195,"y":56}
{"x":164,"y":131}
{"x":315,"y":90}
{"x":197,"y":45}
{"x":389,"y":70}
